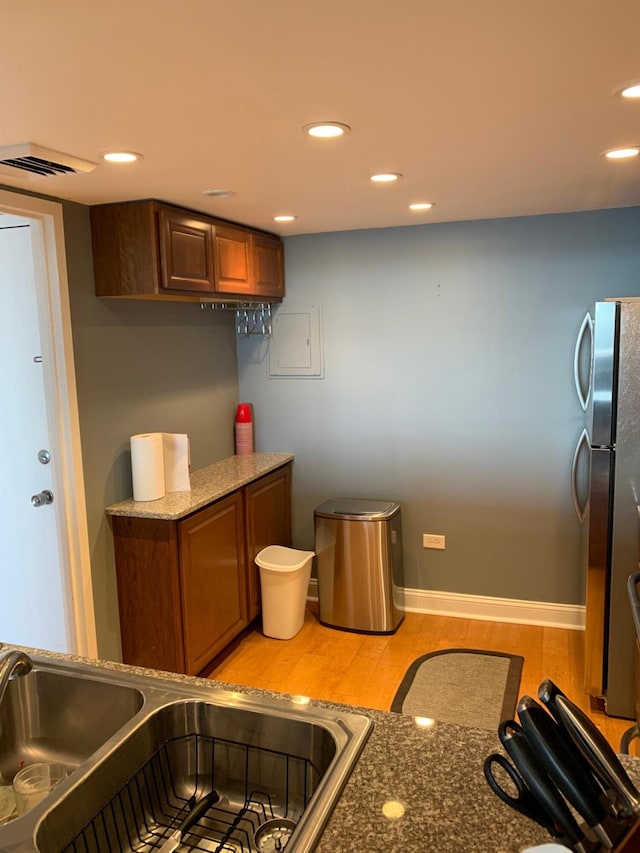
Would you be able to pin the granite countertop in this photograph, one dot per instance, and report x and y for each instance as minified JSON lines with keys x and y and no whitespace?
{"x":207,"y":485}
{"x":435,"y":773}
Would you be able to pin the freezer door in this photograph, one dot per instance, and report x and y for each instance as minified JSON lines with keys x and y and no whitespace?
{"x":598,"y":571}
{"x":603,"y":374}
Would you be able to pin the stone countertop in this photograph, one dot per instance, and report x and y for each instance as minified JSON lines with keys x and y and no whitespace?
{"x":208,"y":484}
{"x":435,"y":773}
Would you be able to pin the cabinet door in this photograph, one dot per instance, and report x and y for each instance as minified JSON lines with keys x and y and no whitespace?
{"x":233,"y":259}
{"x":186,"y":252}
{"x":213,"y":580}
{"x":268,"y":512}
{"x":268,"y":268}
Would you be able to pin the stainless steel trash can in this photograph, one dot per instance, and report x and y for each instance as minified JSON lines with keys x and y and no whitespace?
{"x":358,"y":544}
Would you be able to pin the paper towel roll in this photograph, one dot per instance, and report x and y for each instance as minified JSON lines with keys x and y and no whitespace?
{"x":147,"y":466}
{"x":176,"y":462}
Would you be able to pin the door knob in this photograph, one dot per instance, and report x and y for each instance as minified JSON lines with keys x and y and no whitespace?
{"x":42,"y":498}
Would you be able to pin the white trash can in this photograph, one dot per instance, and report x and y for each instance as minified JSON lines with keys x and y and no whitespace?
{"x":284,"y":580}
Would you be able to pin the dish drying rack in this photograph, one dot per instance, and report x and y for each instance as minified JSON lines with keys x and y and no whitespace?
{"x":152,"y":804}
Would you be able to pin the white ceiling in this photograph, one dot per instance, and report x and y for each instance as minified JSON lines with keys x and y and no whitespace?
{"x":489,"y":109}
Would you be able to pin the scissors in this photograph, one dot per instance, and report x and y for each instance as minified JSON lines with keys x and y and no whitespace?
{"x":536,"y":795}
{"x":524,"y":801}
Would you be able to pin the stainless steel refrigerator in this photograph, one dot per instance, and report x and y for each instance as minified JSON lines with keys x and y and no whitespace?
{"x":606,"y":486}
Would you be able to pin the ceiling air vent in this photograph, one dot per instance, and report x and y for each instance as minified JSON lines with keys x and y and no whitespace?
{"x":33,"y":161}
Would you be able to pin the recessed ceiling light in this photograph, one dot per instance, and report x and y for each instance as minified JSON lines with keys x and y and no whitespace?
{"x":622,"y":153}
{"x":421,"y":205}
{"x":385,"y":177}
{"x":326,"y":129}
{"x":284,"y":217}
{"x":218,"y":193}
{"x":121,"y":156}
{"x":631,"y":91}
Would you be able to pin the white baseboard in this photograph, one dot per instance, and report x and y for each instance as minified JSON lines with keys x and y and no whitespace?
{"x":487,"y":608}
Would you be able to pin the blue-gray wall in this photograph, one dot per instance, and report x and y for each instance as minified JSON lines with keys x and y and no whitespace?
{"x":448,"y":387}
{"x":140,"y":367}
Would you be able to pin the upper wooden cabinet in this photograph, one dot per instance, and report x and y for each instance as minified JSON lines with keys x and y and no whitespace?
{"x":268,"y":263}
{"x":186,"y":252}
{"x":247,"y":262}
{"x":147,"y":249}
{"x":233,"y":268}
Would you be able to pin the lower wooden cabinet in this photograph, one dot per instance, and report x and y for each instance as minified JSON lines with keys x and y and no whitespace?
{"x":149,"y":600}
{"x":187,"y":588}
{"x":213,"y":580}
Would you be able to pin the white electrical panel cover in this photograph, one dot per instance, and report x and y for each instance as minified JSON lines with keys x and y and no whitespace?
{"x":295,"y":348}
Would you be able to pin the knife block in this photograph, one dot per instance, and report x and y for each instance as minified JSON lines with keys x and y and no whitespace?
{"x":630,"y":842}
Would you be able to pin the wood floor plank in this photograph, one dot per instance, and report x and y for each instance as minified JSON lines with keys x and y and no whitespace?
{"x":366,"y":669}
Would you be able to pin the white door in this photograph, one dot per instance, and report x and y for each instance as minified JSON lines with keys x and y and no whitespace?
{"x":32,"y":603}
{"x":46,"y":595}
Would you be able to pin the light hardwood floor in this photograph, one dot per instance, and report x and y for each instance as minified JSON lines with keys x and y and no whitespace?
{"x":366,"y":669}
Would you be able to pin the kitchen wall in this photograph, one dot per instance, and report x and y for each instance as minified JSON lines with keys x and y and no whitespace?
{"x":448,"y":387}
{"x":140,"y":367}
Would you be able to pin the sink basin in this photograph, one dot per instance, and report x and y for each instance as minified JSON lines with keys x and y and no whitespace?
{"x":263,"y":766}
{"x":146,"y":750}
{"x":53,"y":715}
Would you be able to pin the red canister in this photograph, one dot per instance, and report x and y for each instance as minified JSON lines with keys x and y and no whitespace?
{"x":244,"y":430}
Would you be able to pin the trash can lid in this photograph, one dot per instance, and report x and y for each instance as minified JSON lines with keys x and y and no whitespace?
{"x":281,"y":559}
{"x":358,"y":508}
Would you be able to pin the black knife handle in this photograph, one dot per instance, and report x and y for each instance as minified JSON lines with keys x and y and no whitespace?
{"x":548,"y":694}
{"x":598,"y":752}
{"x":541,"y":786}
{"x":591,"y":744}
{"x":541,"y":731}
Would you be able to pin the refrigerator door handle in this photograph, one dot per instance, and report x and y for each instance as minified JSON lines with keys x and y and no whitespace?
{"x":585,"y":329}
{"x":632,"y":589}
{"x":580,"y":505}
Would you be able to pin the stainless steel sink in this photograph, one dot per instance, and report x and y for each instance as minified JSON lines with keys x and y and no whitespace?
{"x":271,"y":762}
{"x":54,"y":715}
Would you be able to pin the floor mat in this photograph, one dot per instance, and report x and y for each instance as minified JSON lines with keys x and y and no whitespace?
{"x":463,"y":686}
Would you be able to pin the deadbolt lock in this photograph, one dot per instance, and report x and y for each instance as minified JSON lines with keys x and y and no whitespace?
{"x":42,"y":498}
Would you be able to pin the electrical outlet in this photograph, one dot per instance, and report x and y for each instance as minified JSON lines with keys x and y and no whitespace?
{"x":433,"y":540}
